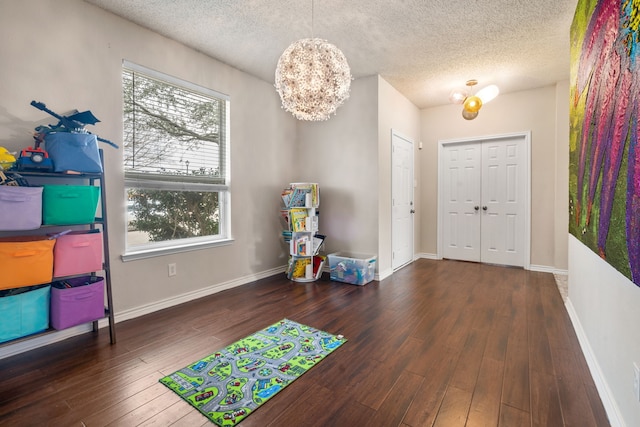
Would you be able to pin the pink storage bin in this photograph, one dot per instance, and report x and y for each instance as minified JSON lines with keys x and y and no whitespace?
{"x":82,"y":302}
{"x":77,"y":252}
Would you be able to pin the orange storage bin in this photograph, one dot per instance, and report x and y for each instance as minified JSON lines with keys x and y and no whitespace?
{"x":25,"y":261}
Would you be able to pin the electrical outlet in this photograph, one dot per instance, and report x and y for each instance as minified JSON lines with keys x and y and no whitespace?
{"x":172,"y":269}
{"x":636,"y":381}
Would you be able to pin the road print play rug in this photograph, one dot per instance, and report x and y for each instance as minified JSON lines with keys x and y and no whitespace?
{"x":231,"y":383}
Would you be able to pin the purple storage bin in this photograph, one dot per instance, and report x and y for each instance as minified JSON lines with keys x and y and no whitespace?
{"x":20,"y":208}
{"x":81,"y":303}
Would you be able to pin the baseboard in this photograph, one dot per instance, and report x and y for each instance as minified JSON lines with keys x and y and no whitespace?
{"x":182,"y":298}
{"x":532,"y":267}
{"x":609,"y":403}
{"x":426,"y":256}
{"x":55,"y":336}
{"x":383,"y":275}
{"x":47,"y":338}
{"x":547,"y":269}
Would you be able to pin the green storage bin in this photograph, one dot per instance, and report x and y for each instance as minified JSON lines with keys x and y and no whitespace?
{"x":69,"y":204}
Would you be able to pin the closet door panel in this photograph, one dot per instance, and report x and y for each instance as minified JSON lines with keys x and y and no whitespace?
{"x":461,"y":219}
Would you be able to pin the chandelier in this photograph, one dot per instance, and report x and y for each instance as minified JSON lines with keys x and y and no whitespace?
{"x":313,"y":79}
{"x":471,"y":103}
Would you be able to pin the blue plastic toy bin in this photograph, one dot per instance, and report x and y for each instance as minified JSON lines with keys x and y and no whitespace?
{"x":353,"y":268}
{"x":24,"y":311}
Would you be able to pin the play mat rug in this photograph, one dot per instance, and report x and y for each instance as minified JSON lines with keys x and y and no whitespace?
{"x":231,"y":383}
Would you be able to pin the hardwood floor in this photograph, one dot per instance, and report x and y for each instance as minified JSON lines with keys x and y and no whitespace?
{"x":440,"y":343}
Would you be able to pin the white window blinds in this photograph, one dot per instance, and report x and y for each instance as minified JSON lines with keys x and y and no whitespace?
{"x":175,"y":133}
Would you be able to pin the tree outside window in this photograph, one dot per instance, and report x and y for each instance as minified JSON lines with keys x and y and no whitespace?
{"x":175,"y":160}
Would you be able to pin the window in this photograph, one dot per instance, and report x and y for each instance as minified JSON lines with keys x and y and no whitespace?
{"x":175,"y":163}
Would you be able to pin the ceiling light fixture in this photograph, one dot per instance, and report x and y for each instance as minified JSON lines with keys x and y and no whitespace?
{"x":471,"y":103}
{"x":313,"y":78}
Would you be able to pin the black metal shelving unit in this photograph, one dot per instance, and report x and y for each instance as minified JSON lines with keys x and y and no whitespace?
{"x":100,"y":222}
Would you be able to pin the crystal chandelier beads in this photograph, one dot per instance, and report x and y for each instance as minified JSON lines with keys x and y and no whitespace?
{"x":313,"y":79}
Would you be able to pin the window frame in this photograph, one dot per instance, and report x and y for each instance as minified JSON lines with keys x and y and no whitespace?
{"x":159,"y":182}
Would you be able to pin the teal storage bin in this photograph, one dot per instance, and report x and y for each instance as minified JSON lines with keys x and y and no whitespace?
{"x":24,"y":311}
{"x":69,"y":204}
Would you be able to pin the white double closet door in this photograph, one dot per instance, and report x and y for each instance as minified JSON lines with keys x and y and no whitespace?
{"x":484,"y":200}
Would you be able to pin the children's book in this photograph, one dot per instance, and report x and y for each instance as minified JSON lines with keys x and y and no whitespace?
{"x":301,"y":194}
{"x":297,"y":217}
{"x":312,"y":189}
{"x":299,"y":267}
{"x":318,"y":240}
{"x":318,"y":263}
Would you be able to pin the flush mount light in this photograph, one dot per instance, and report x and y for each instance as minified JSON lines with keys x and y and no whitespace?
{"x":471,"y":103}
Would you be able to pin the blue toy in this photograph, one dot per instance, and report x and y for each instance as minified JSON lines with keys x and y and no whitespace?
{"x":73,"y":123}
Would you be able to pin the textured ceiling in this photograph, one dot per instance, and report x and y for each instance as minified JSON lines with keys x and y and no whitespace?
{"x":423,"y":48}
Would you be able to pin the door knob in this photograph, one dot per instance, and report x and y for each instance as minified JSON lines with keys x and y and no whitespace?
{"x":476,"y":208}
{"x":412,"y":211}
{"x":484,"y":208}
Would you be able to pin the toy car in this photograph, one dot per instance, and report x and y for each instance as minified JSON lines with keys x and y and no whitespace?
{"x":34,"y":158}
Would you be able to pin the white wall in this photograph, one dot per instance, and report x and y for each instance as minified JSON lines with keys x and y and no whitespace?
{"x":562,"y":177}
{"x":534,"y":110}
{"x":395,"y":112}
{"x":341,"y":155}
{"x":350,"y":155}
{"x":69,"y":55}
{"x":604,"y":306}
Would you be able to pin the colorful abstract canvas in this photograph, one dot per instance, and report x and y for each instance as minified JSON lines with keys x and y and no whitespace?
{"x":604,"y":170}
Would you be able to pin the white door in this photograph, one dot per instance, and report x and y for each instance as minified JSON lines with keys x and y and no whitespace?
{"x":461,"y":201}
{"x":402,"y":200}
{"x":503,"y":208}
{"x":484,"y":200}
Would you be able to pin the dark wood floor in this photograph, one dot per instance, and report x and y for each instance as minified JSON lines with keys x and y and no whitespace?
{"x":439,"y":343}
